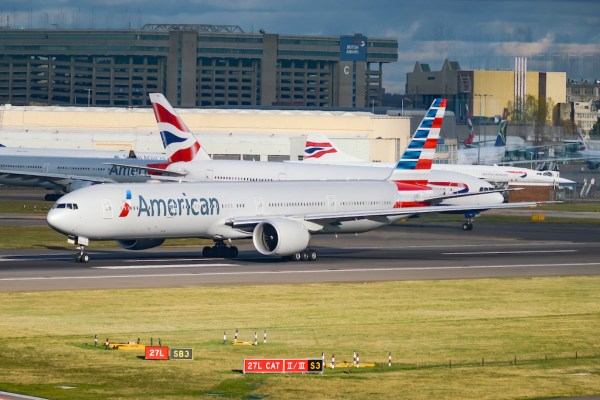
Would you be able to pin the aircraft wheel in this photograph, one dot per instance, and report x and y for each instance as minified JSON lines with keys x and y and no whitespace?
{"x":312,"y":255}
{"x":84,"y":258}
{"x":232,"y":252}
{"x":207,"y":252}
{"x":305,"y":256}
{"x":297,"y":257}
{"x":467,"y":226}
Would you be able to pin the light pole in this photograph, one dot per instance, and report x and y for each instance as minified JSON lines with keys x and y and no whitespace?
{"x":484,"y":95}
{"x":89,"y":95}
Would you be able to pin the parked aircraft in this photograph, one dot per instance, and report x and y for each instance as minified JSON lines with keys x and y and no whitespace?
{"x":487,"y":155}
{"x":319,"y":149}
{"x":183,"y":152}
{"x":590,"y":152}
{"x":65,"y":174}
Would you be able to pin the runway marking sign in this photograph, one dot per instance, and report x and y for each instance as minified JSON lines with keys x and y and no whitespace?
{"x":157,"y":353}
{"x":281,"y":366}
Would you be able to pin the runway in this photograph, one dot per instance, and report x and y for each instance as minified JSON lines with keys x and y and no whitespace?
{"x":409,"y":251}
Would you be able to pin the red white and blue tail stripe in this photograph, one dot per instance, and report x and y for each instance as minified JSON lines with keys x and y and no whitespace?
{"x":180,"y":144}
{"x":314,"y":150}
{"x":415,"y":164}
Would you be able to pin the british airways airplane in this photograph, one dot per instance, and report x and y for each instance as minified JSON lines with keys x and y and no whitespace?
{"x":280,"y":217}
{"x":188,"y":161}
{"x":321,"y":150}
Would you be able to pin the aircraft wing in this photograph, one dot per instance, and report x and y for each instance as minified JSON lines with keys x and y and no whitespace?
{"x":322,"y":219}
{"x":57,"y":179}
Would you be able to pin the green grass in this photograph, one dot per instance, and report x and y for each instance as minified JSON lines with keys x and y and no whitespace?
{"x":46,"y":340}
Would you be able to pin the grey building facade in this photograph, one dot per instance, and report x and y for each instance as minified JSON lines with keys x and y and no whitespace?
{"x":194,"y":65}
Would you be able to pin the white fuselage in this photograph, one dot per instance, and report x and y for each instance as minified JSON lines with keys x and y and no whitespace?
{"x":158,"y":211}
{"x":442,"y":182}
{"x":495,"y":174}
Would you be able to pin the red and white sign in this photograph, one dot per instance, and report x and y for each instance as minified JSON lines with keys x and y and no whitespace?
{"x":279,"y":366}
{"x":157,"y":353}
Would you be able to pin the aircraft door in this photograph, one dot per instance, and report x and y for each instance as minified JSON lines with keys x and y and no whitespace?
{"x":260,"y":207}
{"x":282,"y":176}
{"x":331,"y":203}
{"x":210,"y":175}
{"x":107,"y":210}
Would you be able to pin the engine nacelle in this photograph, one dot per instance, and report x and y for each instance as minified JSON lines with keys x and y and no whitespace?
{"x":140,"y":244}
{"x":280,"y":237}
{"x":77,"y":185}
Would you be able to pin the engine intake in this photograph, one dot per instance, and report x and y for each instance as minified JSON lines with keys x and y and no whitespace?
{"x":280,"y":237}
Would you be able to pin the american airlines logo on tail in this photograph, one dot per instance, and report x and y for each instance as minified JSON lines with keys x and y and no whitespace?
{"x":180,"y":144}
{"x":318,"y":149}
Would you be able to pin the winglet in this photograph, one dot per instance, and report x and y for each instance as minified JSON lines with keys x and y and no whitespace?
{"x":180,"y":144}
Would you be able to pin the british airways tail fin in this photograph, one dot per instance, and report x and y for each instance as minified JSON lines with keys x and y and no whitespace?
{"x":581,"y":140}
{"x":471,"y":137}
{"x":415,"y":163}
{"x":501,"y":138}
{"x":180,"y":144}
{"x":319,"y":149}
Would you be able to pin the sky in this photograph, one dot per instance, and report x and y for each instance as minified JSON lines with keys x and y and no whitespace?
{"x":555,"y":35}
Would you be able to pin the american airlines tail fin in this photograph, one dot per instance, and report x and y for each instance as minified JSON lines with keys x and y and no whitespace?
{"x":319,"y":149}
{"x":415,"y":163}
{"x":501,"y":138}
{"x":180,"y":144}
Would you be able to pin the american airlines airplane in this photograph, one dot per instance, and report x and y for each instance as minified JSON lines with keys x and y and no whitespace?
{"x":45,"y":152}
{"x":66,"y":174}
{"x":279,"y":216}
{"x":321,"y":150}
{"x":189,"y":162}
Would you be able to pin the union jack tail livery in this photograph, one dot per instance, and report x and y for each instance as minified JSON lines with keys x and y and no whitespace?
{"x":180,"y":144}
{"x":314,"y":149}
{"x":319,"y":149}
{"x":418,"y":156}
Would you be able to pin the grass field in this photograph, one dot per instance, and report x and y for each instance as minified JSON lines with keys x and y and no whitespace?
{"x":46,"y":340}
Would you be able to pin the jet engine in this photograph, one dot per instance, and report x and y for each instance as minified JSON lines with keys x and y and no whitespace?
{"x":77,"y":185}
{"x":280,"y":237}
{"x":140,"y":244}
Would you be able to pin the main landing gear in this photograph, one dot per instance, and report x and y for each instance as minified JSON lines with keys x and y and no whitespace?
{"x":304,"y":255}
{"x":220,"y":250}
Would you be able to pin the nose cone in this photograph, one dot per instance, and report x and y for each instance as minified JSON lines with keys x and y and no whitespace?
{"x":61,"y":220}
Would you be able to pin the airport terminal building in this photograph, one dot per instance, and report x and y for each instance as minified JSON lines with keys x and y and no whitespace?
{"x":194,"y":65}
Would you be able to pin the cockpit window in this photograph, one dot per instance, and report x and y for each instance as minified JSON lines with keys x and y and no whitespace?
{"x":71,"y":206}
